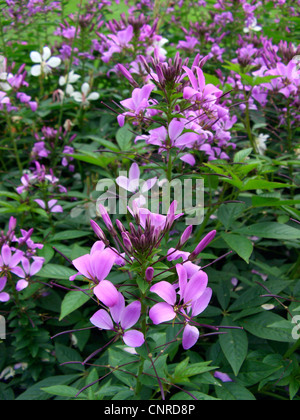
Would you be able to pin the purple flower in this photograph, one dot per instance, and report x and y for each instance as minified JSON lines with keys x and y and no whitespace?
{"x":51,"y":206}
{"x":107,"y":293}
{"x":9,"y":262}
{"x":121,"y":320}
{"x":29,"y":270}
{"x":137,"y":104}
{"x":199,"y":92}
{"x":97,"y":265}
{"x":132,"y":183}
{"x":189,"y":292}
{"x":222,"y":376}
{"x":40,"y":150}
{"x":4,"y":297}
{"x":174,"y":136}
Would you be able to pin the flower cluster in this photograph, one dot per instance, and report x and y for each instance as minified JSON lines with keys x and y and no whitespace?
{"x":140,"y":245}
{"x":18,"y":257}
{"x":200,"y":121}
{"x":11,"y":88}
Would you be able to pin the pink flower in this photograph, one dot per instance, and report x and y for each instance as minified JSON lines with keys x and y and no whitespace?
{"x":160,"y":136}
{"x":199,"y":92}
{"x":51,"y":206}
{"x":9,"y":262}
{"x":29,"y":270}
{"x":4,"y":297}
{"x":137,"y":104}
{"x":189,"y":292}
{"x":194,"y":298}
{"x":97,"y":265}
{"x":124,"y":318}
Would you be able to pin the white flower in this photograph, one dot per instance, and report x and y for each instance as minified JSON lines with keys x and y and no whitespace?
{"x":45,"y":62}
{"x":261,"y":143}
{"x":69,"y":79}
{"x":84,"y":96}
{"x":4,"y":76}
{"x":252,"y":26}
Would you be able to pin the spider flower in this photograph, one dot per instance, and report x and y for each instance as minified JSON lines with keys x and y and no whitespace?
{"x":44,"y":62}
{"x":189,"y":292}
{"x":121,"y":320}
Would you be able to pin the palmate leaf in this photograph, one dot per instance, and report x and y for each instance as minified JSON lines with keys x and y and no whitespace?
{"x":234,"y":344}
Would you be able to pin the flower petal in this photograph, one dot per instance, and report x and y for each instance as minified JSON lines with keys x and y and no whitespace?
{"x":93,"y":96}
{"x":46,"y":53}
{"x":117,"y":310}
{"x":21,"y":284}
{"x":101,"y":319}
{"x":182,"y":277}
{"x":36,"y":70}
{"x":107,"y":293}
{"x":4,"y":297}
{"x":201,"y":304}
{"x":166,"y":291}
{"x":85,"y":88}
{"x":36,"y":266}
{"x":175,"y":129}
{"x":6,"y":254}
{"x":82,"y":264}
{"x":133,"y":338}
{"x":54,"y":62}
{"x":101,"y":263}
{"x":195,"y":287}
{"x":3,"y":281}
{"x":35,"y":57}
{"x":189,"y":337}
{"x":161,"y":312}
{"x":131,"y":315}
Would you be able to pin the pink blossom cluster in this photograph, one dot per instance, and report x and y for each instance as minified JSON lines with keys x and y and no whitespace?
{"x":183,"y":299}
{"x":203,"y":122}
{"x":12,"y":96}
{"x":18,"y":257}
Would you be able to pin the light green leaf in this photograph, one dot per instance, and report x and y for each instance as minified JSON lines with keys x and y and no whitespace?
{"x":240,"y":244}
{"x":72,"y":301}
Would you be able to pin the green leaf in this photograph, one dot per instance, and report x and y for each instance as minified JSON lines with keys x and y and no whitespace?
{"x":231,"y":391}
{"x":270,"y":230}
{"x":183,"y":396}
{"x":228,"y":213}
{"x":67,"y":354}
{"x":35,"y":392}
{"x":72,"y":301}
{"x":240,"y":244}
{"x":269,"y":326}
{"x":234,"y":344}
{"x":261,"y":184}
{"x":61,"y":390}
{"x":55,"y":271}
{"x":241,"y":155}
{"x":69,"y":234}
{"x":124,"y":137}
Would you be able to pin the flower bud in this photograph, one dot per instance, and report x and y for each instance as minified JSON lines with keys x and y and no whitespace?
{"x":98,"y":231}
{"x":185,"y":236}
{"x":149,"y":274}
{"x":202,"y":244}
